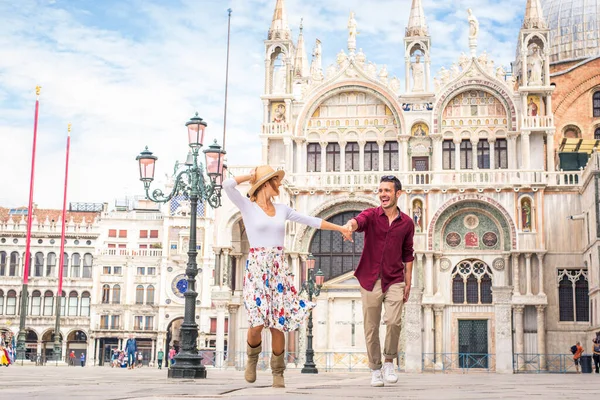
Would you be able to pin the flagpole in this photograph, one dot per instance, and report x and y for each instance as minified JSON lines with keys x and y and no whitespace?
{"x":229,"y":11}
{"x":57,"y":336}
{"x":24,"y":295}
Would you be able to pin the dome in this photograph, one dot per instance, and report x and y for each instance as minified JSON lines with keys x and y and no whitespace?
{"x":574,"y":28}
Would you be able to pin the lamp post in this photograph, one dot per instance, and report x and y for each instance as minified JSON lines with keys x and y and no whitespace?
{"x":312,"y":286}
{"x":192,"y":182}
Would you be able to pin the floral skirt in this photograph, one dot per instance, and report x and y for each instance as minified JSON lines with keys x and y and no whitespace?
{"x":270,"y":298}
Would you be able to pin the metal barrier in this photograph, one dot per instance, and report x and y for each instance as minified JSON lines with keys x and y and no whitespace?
{"x":325,"y":361}
{"x":543,"y":363}
{"x":458,"y":362}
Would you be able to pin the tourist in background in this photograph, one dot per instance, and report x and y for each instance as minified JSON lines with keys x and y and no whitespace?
{"x":596,"y":354}
{"x":161,"y":355}
{"x":131,"y":350}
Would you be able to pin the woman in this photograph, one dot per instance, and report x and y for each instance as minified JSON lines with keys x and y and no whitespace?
{"x":270,"y":298}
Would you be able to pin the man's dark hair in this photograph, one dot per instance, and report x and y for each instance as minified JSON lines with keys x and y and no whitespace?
{"x":392,"y":178}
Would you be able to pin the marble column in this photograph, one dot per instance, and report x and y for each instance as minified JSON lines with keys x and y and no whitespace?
{"x":474,"y":161}
{"x":153,"y":354}
{"x":217,"y":274}
{"x":541,"y":334}
{"x":457,"y":153}
{"x":361,"y":155}
{"x":519,"y":330}
{"x":404,"y":157}
{"x":380,"y":144}
{"x":512,"y":150}
{"x":220,"y":341}
{"x":515,"y":274}
{"x":492,"y":142}
{"x":407,"y":84}
{"x":324,"y":156}
{"x":503,"y":328}
{"x":225,"y":268}
{"x":342,"y":145}
{"x":413,"y":332}
{"x":439,"y":314}
{"x":528,"y":273}
{"x":232,"y":349}
{"x":437,"y":152}
{"x":429,"y":274}
{"x":298,"y":156}
{"x":540,"y":257}
{"x":550,"y":151}
{"x":428,"y":332}
{"x":289,"y":152}
{"x":525,"y":151}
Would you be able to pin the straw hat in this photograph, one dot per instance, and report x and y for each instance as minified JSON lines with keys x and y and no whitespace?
{"x":263,"y":174}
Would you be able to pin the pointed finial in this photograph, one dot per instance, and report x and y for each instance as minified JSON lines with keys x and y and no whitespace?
{"x":37,"y":90}
{"x":69,"y":127}
{"x":301,"y":24}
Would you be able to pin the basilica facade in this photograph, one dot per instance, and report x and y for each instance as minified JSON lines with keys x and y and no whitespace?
{"x":506,"y":242}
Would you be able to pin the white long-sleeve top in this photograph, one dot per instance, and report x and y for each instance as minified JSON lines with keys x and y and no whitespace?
{"x":263,"y":230}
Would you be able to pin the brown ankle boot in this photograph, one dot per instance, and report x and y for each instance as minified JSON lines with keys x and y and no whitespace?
{"x":253,"y":353}
{"x":277,"y":368}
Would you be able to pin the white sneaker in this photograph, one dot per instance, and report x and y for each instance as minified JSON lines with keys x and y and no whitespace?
{"x":376,"y":378}
{"x":389,"y":374}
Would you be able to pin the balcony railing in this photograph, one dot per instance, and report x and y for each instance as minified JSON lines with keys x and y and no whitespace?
{"x":132,"y":252}
{"x":537,"y":122}
{"x":275,"y":128}
{"x":427,"y":180}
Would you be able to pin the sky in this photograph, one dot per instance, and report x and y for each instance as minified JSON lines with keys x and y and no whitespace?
{"x":129,"y":73}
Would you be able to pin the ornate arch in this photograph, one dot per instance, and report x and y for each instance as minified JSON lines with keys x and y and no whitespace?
{"x":330,"y":208}
{"x":378,"y":91}
{"x":465,"y":85}
{"x":447,"y":211}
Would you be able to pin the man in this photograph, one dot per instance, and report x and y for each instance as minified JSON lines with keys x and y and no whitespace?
{"x":596,"y":355}
{"x":82,"y":359}
{"x":161,"y":355}
{"x":384,"y":273}
{"x":72,"y":358}
{"x":131,"y":349}
{"x":577,"y":356}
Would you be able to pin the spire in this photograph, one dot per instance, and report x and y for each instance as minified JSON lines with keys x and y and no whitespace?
{"x":534,"y":16}
{"x":279,"y":25}
{"x":301,"y":62}
{"x":416,"y":20}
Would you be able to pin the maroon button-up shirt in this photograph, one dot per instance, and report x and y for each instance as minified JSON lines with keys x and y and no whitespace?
{"x":387,"y":247}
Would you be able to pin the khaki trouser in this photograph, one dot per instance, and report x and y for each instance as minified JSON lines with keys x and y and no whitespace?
{"x":393,"y":300}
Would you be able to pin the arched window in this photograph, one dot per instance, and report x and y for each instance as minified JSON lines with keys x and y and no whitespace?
{"x":313,"y":157}
{"x":14,"y":264}
{"x":334,"y":256}
{"x":483,"y":154}
{"x":150,"y":295}
{"x":3,"y":258}
{"x":597,"y":133}
{"x":333,"y":157}
{"x":466,"y":154}
{"x":11,"y":302}
{"x":51,"y":264}
{"x":63,"y":303}
{"x":1,"y":302}
{"x":501,"y":150}
{"x":139,"y":294}
{"x":472,"y":283}
{"x":87,"y":265}
{"x":352,"y":156}
{"x":36,"y":302}
{"x":75,"y":264}
{"x":65,"y":265}
{"x":39,"y":264}
{"x":573,"y":295}
{"x":116,"y":295}
{"x":596,"y":105}
{"x":85,"y":304}
{"x":390,"y":156}
{"x":105,"y":294}
{"x":448,"y":157}
{"x":48,"y":302}
{"x":73,"y":303}
{"x":371,"y":156}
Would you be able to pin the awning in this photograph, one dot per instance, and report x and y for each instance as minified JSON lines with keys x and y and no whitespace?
{"x":569,"y":145}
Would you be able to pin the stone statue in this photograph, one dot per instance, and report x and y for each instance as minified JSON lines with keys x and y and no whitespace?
{"x":500,"y":73}
{"x":417,"y":74}
{"x":536,"y":64}
{"x":473,"y":25}
{"x":351,"y":33}
{"x":482,"y":59}
{"x":341,"y":57}
{"x":444,"y":75}
{"x":436,"y":83}
{"x":331,"y":70}
{"x":454,"y":71}
{"x":279,"y":78}
{"x":383,"y":74}
{"x":316,"y":70}
{"x":372,"y":69}
{"x":360,"y":58}
{"x":463,"y":61}
{"x":491,"y":68}
{"x":395,"y":84}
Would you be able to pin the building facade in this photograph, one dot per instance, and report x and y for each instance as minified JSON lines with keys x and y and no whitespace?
{"x":506,"y":238}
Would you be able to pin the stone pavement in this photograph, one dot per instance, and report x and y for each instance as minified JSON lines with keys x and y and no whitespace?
{"x":48,"y":382}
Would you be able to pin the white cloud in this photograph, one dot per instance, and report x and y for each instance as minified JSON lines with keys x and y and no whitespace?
{"x":130,"y":74}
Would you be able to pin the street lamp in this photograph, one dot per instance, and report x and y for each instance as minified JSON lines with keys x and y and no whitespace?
{"x":312,"y":286}
{"x":192,"y":182}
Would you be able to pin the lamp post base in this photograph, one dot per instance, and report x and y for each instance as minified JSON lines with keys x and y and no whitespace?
{"x":310,"y":369}
{"x":187,"y":366}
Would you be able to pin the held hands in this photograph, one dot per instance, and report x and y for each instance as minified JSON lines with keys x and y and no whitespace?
{"x":346,"y":232}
